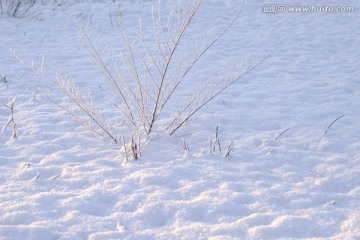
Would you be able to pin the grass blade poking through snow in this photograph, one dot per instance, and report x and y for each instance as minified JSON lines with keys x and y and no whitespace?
{"x":282,"y":133}
{"x":333,"y":123}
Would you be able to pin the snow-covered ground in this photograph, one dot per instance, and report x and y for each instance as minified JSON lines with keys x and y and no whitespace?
{"x":284,"y":179}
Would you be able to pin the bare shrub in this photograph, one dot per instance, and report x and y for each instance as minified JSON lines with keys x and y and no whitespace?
{"x":147,"y":74}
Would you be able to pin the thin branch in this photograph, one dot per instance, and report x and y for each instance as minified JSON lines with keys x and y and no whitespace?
{"x":67,"y":87}
{"x":174,"y":49}
{"x":103,"y":69}
{"x":201,"y":54}
{"x":211,"y":97}
{"x":30,"y":6}
{"x":16,"y":8}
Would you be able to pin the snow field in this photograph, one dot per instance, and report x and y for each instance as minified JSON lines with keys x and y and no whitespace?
{"x":58,"y":181}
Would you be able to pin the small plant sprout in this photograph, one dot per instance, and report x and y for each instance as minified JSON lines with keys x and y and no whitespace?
{"x":327,"y":130}
{"x":333,"y":123}
{"x":216,"y":143}
{"x":3,"y":79}
{"x":230,"y":148}
{"x":135,"y":149}
{"x":125,"y":150}
{"x":185,"y":147}
{"x":278,"y":137}
{"x":10,"y":106}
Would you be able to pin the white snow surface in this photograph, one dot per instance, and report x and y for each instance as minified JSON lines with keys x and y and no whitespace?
{"x":60,"y":181}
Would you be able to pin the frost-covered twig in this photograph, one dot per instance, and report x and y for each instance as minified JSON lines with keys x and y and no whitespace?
{"x":80,"y":107}
{"x":210,"y":90}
